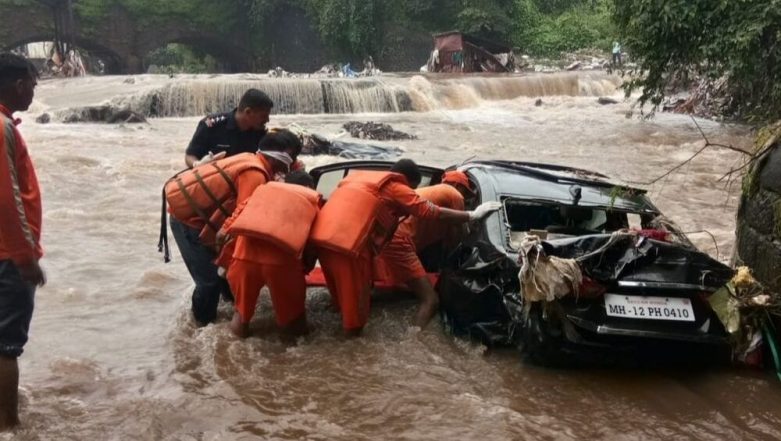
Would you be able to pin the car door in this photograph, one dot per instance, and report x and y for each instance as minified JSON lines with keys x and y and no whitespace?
{"x":327,"y":177}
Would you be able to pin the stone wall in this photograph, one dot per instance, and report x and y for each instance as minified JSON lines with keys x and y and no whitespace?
{"x":759,"y":218}
{"x":122,"y":41}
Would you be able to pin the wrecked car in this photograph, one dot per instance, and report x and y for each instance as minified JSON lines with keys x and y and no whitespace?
{"x":573,"y":270}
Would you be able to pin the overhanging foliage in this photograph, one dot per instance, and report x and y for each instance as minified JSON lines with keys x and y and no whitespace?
{"x":736,"y":40}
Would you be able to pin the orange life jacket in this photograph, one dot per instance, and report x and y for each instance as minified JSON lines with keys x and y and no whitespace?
{"x":205,"y":196}
{"x":281,"y":214}
{"x":355,"y":214}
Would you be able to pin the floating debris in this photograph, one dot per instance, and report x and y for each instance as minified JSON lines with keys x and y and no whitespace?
{"x":373,"y":130}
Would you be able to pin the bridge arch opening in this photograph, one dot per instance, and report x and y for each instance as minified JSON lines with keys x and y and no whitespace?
{"x":195,"y":55}
{"x":95,"y":58}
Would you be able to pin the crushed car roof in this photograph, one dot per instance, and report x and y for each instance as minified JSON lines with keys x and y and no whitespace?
{"x":555,"y":183}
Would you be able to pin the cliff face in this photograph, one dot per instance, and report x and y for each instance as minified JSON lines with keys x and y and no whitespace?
{"x":759,"y":215}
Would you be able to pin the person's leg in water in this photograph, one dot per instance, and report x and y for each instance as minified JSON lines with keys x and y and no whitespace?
{"x":429,"y":300}
{"x":9,"y":393}
{"x":16,"y":310}
{"x":349,"y":280}
{"x":287,"y":285}
{"x":246,"y":280}
{"x":405,"y":269}
{"x":199,"y":260}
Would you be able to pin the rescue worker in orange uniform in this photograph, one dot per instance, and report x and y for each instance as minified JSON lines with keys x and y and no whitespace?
{"x":20,"y":231}
{"x":271,"y":231}
{"x":399,"y":259}
{"x":357,"y":221}
{"x":201,"y":199}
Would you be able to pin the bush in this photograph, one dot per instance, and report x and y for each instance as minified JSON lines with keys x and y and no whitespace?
{"x":582,"y":27}
{"x":178,"y":58}
{"x":739,"y":41}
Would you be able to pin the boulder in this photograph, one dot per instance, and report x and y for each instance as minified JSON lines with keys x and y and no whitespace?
{"x":44,"y":118}
{"x":105,"y":113}
{"x":373,"y":130}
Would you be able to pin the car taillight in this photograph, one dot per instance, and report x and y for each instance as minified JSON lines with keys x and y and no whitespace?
{"x":590,"y":288}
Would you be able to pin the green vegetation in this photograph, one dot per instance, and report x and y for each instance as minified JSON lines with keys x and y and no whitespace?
{"x":356,"y":28}
{"x":352,"y":29}
{"x":738,"y":41}
{"x":177,"y":58}
{"x":201,"y":13}
{"x":583,"y":26}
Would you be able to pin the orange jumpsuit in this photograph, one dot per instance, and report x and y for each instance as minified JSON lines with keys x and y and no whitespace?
{"x":20,"y":197}
{"x":254,"y":263}
{"x":257,"y":263}
{"x":398,"y":262}
{"x":349,"y":278}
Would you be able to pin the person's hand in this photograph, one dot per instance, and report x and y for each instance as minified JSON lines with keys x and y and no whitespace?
{"x":209,"y":158}
{"x":32,"y":273}
{"x":484,"y":210}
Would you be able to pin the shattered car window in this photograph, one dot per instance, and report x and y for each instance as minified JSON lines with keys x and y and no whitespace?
{"x":550,"y":220}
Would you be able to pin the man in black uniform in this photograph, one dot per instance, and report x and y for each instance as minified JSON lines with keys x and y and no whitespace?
{"x":231,"y":133}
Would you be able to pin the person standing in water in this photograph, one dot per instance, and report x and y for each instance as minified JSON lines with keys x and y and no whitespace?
{"x":359,"y":219}
{"x":201,"y":199}
{"x":399,"y":258}
{"x":20,"y":231}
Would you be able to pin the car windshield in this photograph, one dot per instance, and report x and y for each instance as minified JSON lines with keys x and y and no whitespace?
{"x":551,"y":220}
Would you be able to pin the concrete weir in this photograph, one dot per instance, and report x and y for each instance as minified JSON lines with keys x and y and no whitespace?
{"x":196,"y":96}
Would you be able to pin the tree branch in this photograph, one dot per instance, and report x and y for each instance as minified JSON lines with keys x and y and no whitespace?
{"x":751,"y":156}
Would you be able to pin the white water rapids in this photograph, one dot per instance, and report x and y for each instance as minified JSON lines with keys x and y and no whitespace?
{"x":113,"y":354}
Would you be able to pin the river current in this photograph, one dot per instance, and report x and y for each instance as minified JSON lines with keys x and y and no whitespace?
{"x":114,"y":355}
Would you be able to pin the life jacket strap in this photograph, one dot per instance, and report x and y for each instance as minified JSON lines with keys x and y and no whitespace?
{"x":188,"y":197}
{"x":162,"y":244}
{"x":215,"y":200}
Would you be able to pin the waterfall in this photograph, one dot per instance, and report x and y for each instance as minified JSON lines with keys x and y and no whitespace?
{"x":195,"y":97}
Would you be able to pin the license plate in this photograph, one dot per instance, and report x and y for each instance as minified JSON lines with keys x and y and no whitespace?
{"x":649,"y":308}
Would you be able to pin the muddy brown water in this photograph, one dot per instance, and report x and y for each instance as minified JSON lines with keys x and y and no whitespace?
{"x":114,"y":355}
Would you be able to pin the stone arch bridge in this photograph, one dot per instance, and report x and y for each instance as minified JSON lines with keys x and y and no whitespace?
{"x":119,"y":40}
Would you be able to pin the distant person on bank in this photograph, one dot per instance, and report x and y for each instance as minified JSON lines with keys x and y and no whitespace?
{"x":616,"y":53}
{"x":230,"y":133}
{"x":20,"y":231}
